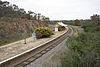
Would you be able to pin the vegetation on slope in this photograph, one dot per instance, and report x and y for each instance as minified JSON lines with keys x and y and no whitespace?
{"x":85,"y":48}
{"x":16,"y":23}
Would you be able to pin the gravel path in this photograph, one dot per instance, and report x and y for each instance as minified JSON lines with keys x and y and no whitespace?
{"x":18,"y":47}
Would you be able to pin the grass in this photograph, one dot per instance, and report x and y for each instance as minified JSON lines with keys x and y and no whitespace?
{"x":5,"y":42}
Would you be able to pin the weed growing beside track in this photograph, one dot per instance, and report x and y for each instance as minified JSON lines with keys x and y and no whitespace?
{"x":84,"y":48}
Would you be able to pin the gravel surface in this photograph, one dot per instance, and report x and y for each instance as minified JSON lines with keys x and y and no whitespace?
{"x":18,"y":47}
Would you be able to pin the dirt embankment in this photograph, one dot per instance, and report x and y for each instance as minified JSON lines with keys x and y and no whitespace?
{"x":14,"y":29}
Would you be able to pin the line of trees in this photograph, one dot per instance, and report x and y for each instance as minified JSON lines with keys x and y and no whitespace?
{"x":13,"y":11}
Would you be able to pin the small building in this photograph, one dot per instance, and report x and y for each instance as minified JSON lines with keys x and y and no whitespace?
{"x":60,"y":26}
{"x":56,"y":27}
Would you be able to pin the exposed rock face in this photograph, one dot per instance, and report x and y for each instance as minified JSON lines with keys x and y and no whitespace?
{"x":9,"y":30}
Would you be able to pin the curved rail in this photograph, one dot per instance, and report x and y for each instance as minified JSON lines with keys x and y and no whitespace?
{"x":31,"y":55}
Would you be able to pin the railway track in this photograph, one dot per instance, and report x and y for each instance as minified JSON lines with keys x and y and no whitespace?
{"x":31,"y":55}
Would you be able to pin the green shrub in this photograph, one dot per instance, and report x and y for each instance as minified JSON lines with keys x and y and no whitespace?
{"x":77,"y":22}
{"x":43,"y":32}
{"x":84,"y":48}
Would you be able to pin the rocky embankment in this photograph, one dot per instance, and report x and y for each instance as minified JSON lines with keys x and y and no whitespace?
{"x":10,"y":30}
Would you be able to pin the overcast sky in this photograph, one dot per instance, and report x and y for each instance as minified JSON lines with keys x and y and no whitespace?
{"x":61,"y":9}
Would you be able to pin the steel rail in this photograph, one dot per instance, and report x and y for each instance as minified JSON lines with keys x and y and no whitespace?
{"x":31,"y":55}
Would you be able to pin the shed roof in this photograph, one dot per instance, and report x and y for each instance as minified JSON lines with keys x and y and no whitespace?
{"x":62,"y":24}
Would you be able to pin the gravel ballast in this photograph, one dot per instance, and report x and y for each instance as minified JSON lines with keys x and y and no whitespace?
{"x":18,"y":47}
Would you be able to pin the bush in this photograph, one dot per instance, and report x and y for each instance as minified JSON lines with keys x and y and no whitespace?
{"x":43,"y":32}
{"x":77,"y":22}
{"x":84,"y":48}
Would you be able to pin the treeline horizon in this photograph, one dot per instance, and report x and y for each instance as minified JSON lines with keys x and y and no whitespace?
{"x":9,"y":10}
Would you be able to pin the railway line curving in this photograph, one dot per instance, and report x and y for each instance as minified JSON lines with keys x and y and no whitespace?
{"x":31,"y":55}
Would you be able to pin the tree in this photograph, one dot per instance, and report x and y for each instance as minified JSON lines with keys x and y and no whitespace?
{"x":96,"y":19}
{"x":8,"y":10}
{"x":77,"y":22}
{"x":30,"y":12}
{"x":38,"y":16}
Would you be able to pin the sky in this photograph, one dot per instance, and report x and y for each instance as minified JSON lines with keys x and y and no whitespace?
{"x":61,"y":9}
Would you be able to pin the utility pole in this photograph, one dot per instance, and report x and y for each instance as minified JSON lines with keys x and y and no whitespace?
{"x":25,"y":33}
